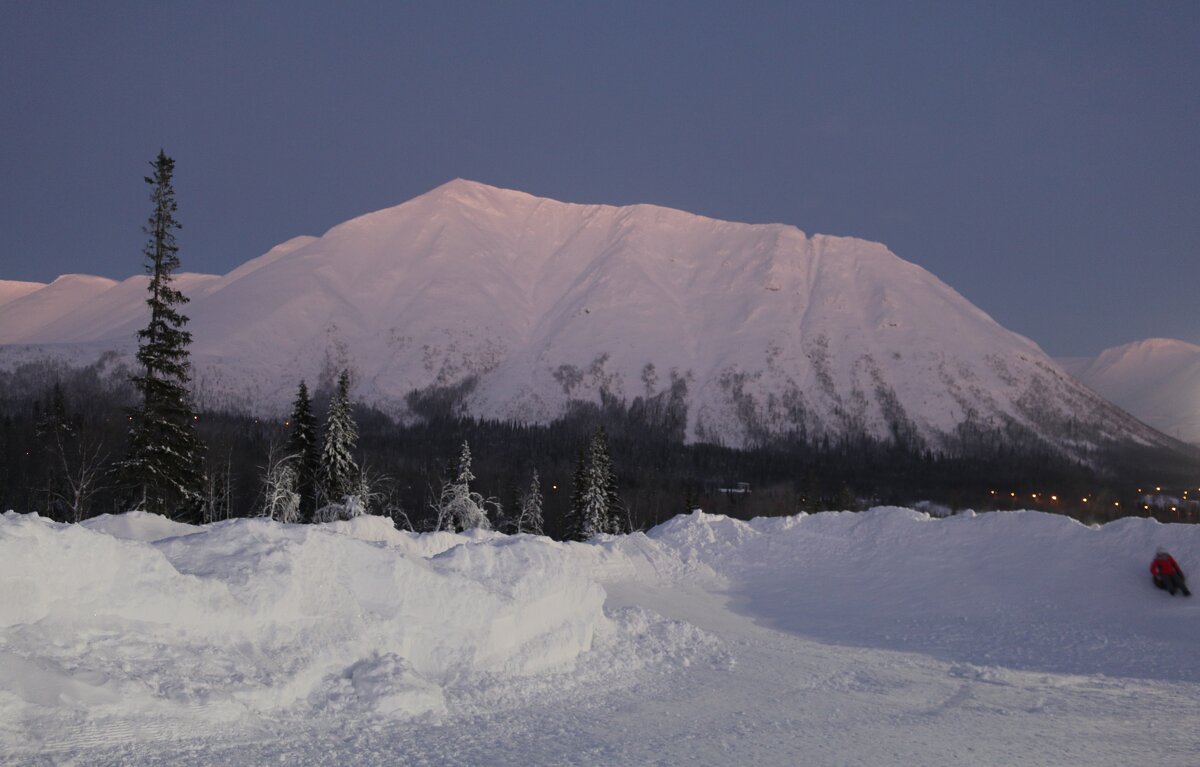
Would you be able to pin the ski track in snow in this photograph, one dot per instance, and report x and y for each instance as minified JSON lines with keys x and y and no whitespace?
{"x":726,"y":644}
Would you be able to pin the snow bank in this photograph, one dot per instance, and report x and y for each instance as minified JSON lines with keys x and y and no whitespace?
{"x":1020,"y":589}
{"x":249,"y":616}
{"x":135,"y":628}
{"x":138,"y":526}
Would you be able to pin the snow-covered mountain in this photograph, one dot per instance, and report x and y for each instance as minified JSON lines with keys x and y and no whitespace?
{"x":1157,"y":380}
{"x":526,"y":304}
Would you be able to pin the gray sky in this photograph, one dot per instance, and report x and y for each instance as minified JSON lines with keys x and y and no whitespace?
{"x":1041,"y":158}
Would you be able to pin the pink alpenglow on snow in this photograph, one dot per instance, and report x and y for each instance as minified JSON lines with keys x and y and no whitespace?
{"x":527,"y":304}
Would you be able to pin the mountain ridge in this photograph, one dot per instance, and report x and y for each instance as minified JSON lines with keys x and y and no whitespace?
{"x":1156,"y":379}
{"x":523,"y":305}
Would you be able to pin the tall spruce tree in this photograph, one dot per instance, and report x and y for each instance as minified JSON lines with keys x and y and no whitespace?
{"x":339,"y":474}
{"x":164,"y":462}
{"x":575,"y":528}
{"x":615,"y":520}
{"x":595,"y":505}
{"x":596,"y":495}
{"x":305,"y":451}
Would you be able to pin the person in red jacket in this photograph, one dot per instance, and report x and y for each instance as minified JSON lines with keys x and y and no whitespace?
{"x":1167,"y":573}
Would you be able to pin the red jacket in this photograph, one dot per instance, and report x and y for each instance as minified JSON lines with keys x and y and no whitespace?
{"x":1165,"y":565}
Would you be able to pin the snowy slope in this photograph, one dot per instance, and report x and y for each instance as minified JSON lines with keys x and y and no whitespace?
{"x":1157,"y":380}
{"x":31,"y":311}
{"x":885,"y":637}
{"x":13,"y":289}
{"x":529,"y":303}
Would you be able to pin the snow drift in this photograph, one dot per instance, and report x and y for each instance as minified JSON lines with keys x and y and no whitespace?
{"x":250,"y":617}
{"x":138,"y":628}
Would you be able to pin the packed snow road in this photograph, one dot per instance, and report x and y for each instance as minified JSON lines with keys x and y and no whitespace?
{"x":842,"y":639}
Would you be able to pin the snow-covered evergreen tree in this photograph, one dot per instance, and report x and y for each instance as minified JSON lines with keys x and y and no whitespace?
{"x":339,"y":475}
{"x":595,"y":505}
{"x":460,"y":508}
{"x":302,"y":443}
{"x":616,"y":520}
{"x":529,"y":515}
{"x":164,"y":462}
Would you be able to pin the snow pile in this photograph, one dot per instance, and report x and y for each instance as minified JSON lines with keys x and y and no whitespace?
{"x":138,"y":526}
{"x":251,"y":617}
{"x":127,"y":630}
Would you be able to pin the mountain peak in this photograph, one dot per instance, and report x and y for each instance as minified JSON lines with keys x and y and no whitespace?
{"x":11,"y":290}
{"x":521,"y":306}
{"x":1156,"y":379}
{"x":475,"y":193}
{"x":1164,"y":345}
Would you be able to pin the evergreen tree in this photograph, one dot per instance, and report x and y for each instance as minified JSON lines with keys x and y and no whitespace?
{"x":338,"y":477}
{"x":593,"y":513}
{"x":529,"y":517}
{"x":575,"y":530}
{"x":595,"y":505}
{"x":302,"y":444}
{"x":54,"y":419}
{"x":164,"y":461}
{"x":615,"y":520}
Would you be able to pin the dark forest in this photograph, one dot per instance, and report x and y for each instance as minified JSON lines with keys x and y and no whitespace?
{"x":658,"y":475}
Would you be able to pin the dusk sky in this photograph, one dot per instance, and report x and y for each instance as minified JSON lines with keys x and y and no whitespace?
{"x":1041,"y":158}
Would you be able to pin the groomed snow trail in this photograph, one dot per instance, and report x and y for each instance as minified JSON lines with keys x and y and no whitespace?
{"x":723,"y":645}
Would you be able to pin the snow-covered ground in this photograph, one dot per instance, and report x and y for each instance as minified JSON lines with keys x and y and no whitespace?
{"x":884,"y":637}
